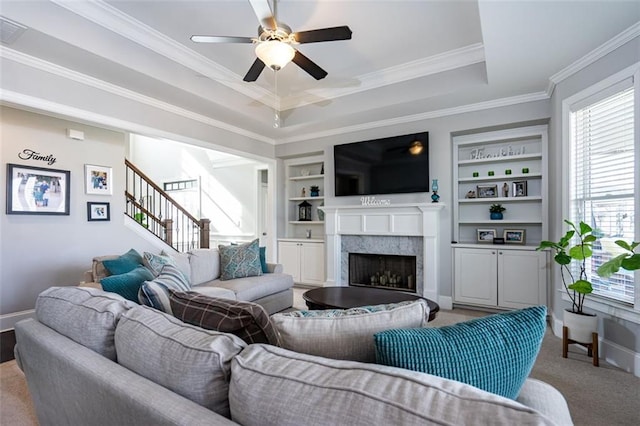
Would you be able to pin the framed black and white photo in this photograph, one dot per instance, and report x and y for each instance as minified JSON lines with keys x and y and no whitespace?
{"x":486,"y":235}
{"x":520,"y":188}
{"x":487,"y":191}
{"x":98,"y":180}
{"x":37,"y":190}
{"x":98,"y":211}
{"x":513,"y":236}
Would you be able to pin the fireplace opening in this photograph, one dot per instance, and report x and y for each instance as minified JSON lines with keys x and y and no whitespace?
{"x":387,"y":271}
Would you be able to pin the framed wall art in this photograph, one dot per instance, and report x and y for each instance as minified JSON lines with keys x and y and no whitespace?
{"x":37,"y":190}
{"x":98,"y":211}
{"x":98,"y":180}
{"x":514,"y":236}
{"x":487,"y":191}
{"x":486,"y":235}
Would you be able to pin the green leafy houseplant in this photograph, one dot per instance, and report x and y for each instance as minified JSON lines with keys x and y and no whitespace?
{"x":630,"y":260}
{"x":577,"y":287}
{"x":496,"y":208}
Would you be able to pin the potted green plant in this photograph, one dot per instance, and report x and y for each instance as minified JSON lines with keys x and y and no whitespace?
{"x":496,"y":211}
{"x":629,"y":260}
{"x":577,"y":287}
{"x":314,"y":190}
{"x":141,"y":218}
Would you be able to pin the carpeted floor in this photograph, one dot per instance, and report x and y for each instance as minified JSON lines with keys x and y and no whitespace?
{"x":596,"y":396}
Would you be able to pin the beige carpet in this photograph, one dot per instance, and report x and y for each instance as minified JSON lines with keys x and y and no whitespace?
{"x":596,"y":396}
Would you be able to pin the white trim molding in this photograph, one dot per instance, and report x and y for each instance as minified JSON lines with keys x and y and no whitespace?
{"x":8,"y":321}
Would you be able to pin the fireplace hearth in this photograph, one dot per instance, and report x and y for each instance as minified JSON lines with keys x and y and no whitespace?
{"x":393,"y":272}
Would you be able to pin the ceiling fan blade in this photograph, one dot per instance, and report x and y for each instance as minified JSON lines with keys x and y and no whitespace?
{"x":254,"y":71}
{"x":324,"y":34}
{"x":309,"y":66}
{"x":220,"y":39}
{"x":263,"y":11}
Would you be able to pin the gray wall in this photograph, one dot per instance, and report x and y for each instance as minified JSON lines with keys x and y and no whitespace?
{"x":440,"y":150}
{"x":616,"y":330}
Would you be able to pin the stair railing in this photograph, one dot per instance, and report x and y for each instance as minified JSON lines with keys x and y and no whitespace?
{"x":155,"y":210}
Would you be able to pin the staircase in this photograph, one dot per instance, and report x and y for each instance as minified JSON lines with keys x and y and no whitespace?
{"x":155,"y":210}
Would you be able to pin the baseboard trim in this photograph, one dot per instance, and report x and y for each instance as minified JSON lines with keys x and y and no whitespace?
{"x":619,"y":356}
{"x":8,"y":321}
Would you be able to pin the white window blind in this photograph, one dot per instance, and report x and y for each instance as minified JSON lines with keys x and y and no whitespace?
{"x":602,"y":179}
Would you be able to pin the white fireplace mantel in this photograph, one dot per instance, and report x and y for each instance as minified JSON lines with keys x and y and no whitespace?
{"x":421,"y":220}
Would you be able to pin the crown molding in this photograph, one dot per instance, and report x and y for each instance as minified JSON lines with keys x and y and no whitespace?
{"x":591,"y":57}
{"x":109,"y":17}
{"x":33,"y":62}
{"x":480,"y":106}
{"x":457,"y":58}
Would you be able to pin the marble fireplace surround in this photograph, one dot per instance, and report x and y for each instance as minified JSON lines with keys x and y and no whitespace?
{"x":401,"y":220}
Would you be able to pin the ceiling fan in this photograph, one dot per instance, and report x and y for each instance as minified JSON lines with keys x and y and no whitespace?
{"x":274,"y":42}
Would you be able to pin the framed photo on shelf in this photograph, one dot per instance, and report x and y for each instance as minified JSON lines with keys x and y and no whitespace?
{"x":513,"y":236}
{"x":36,"y":190}
{"x":520,"y":188}
{"x":487,"y":191}
{"x":98,"y":211}
{"x":486,"y":235}
{"x":98,"y":180}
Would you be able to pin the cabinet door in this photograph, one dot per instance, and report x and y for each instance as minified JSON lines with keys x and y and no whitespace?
{"x":289,"y":258}
{"x":475,"y":276}
{"x":522,"y":278}
{"x":312,"y":263}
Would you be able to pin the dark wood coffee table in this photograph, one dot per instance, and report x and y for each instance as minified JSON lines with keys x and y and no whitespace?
{"x":352,"y":297}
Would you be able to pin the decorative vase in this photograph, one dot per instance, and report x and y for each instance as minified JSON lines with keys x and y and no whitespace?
{"x":496,"y":215}
{"x":314,"y":193}
{"x":321,"y":213}
{"x":580,"y":326}
{"x":434,"y":187}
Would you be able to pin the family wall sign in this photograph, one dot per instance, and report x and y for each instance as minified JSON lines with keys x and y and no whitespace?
{"x":30,"y":154}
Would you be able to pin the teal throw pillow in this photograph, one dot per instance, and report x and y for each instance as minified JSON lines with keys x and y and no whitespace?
{"x":123,"y":264}
{"x":128,"y":284}
{"x":263,"y":260}
{"x":155,"y":293}
{"x":493,"y":353}
{"x":239,"y":261}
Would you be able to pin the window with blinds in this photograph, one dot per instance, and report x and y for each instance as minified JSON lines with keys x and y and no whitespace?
{"x":601,"y":182}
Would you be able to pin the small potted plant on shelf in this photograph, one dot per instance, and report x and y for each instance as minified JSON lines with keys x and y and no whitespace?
{"x":314,"y":190}
{"x":580,"y":325}
{"x":496,"y":211}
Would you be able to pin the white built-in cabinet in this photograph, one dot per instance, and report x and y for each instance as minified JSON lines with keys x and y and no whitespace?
{"x":302,"y":250}
{"x":303,"y":259}
{"x":507,"y":167}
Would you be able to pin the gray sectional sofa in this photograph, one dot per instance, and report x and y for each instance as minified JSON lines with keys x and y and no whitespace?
{"x":92,"y":357}
{"x":272,"y":290}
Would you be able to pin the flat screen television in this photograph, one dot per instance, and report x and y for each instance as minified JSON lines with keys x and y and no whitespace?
{"x":393,"y":165}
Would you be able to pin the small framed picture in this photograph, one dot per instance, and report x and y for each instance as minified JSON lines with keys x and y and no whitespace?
{"x":487,"y":191}
{"x":513,"y":236}
{"x":486,"y":235}
{"x":520,"y":188}
{"x":98,"y":211}
{"x":98,"y":180}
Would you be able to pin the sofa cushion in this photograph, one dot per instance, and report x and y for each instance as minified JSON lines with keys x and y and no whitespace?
{"x":154,"y":293}
{"x":188,"y":360}
{"x":98,"y":271}
{"x":182,"y":262}
{"x":87,"y":316}
{"x":249,"y":321}
{"x":494,"y":353}
{"x":274,"y":386}
{"x":128,"y":284}
{"x":263,"y":260}
{"x":254,"y":288}
{"x":347,"y":335}
{"x":124,"y":263}
{"x":155,"y":262}
{"x":204,"y":264}
{"x":238,"y":261}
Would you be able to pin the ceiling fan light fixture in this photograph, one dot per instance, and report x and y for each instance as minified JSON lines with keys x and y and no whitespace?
{"x":415,"y":148}
{"x":275,"y":54}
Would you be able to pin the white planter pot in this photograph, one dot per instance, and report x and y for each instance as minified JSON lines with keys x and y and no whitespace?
{"x":580,"y":326}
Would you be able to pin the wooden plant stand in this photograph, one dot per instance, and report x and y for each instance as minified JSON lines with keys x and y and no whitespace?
{"x":592,"y":348}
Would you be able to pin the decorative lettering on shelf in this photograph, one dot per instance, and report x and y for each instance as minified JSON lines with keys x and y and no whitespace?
{"x":508,"y":151}
{"x":29,"y":154}
{"x":371,"y":201}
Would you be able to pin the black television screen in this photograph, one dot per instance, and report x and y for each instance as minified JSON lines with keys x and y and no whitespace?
{"x":394,"y":165}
